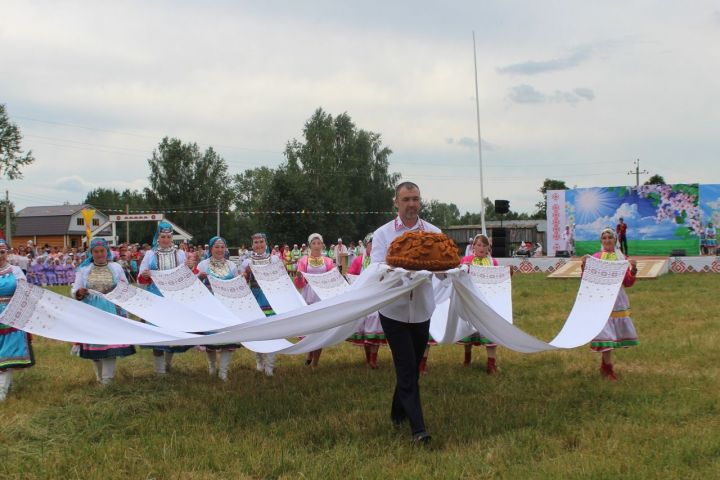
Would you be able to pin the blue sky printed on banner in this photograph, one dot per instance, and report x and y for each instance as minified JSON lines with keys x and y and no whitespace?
{"x":710,"y":203}
{"x":593,"y":209}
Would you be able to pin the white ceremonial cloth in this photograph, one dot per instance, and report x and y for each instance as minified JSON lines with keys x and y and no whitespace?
{"x":445,"y":324}
{"x":596,"y":296}
{"x":46,"y":313}
{"x":277,"y":287}
{"x":495,"y":285}
{"x":182,"y":286}
{"x":236,"y":296}
{"x":345,"y":308}
{"x":51,"y":315}
{"x":328,"y":284}
{"x":162,"y":311}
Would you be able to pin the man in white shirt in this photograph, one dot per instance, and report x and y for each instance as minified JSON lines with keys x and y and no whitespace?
{"x":406,"y":322}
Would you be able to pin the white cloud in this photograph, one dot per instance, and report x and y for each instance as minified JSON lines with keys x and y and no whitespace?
{"x":534,"y":67}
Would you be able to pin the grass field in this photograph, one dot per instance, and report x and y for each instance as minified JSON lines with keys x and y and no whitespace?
{"x":645,"y":247}
{"x":546,"y":415}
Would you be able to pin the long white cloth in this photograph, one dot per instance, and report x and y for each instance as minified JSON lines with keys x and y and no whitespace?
{"x":237,"y":298}
{"x":162,"y":311}
{"x":45,"y":313}
{"x":594,"y":302}
{"x":446,"y":326}
{"x":319,"y":317}
{"x":277,"y":287}
{"x":182,"y":286}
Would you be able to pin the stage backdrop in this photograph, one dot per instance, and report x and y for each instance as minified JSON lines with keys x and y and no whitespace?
{"x":660,"y":218}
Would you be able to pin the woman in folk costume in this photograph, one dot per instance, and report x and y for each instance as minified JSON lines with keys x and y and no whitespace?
{"x":15,"y":345}
{"x":217,"y":265}
{"x":98,"y":272}
{"x":264,"y":362}
{"x":163,"y":256}
{"x":371,"y":334}
{"x":619,"y":331}
{"x":480,"y":255}
{"x":315,"y":262}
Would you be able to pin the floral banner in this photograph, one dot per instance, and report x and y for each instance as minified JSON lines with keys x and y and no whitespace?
{"x":660,"y":219}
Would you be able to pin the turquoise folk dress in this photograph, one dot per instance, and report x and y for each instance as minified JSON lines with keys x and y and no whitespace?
{"x":103,"y":279}
{"x":163,"y":259}
{"x":15,"y":345}
{"x":224,"y":270}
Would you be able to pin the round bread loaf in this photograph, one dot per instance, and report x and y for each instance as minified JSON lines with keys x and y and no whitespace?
{"x":423,"y":251}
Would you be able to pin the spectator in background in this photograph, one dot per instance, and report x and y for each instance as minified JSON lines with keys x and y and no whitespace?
{"x":31,"y":250}
{"x":340,"y":249}
{"x":21,"y":260}
{"x":621,"y":232}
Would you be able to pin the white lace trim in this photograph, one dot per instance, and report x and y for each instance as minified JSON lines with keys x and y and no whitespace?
{"x":121,"y":293}
{"x":235,"y":288}
{"x":179,"y":279}
{"x":489,"y":275}
{"x":21,"y":308}
{"x":609,"y":274}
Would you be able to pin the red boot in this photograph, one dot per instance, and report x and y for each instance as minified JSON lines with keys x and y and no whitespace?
{"x":373,"y":360}
{"x":468,"y":358}
{"x":606,"y":370}
{"x":368,"y":355}
{"x":491,"y":368}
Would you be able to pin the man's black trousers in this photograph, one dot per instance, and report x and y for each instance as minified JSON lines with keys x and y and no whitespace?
{"x":407,"y":343}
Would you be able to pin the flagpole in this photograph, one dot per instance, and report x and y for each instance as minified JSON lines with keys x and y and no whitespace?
{"x":477,"y":111}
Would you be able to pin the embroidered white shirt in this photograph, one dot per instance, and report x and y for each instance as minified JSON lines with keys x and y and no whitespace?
{"x":416,"y":306}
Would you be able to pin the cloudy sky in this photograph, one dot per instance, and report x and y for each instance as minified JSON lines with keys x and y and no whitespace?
{"x":568,"y":90}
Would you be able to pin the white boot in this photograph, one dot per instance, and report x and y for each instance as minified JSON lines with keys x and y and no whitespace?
{"x":212,"y":362}
{"x":108,"y":370}
{"x":259,"y":362}
{"x":5,"y":382}
{"x":160,"y":365}
{"x":225,"y":357}
{"x":168,"y":361}
{"x":269,"y":364}
{"x":97,"y":366}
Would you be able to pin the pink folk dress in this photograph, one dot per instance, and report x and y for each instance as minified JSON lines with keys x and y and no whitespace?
{"x":305,"y":265}
{"x":619,"y":331}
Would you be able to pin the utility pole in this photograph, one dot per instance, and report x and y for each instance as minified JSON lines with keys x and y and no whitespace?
{"x":637,"y":172}
{"x":218,"y":220}
{"x":127,"y":224}
{"x":8,"y":229}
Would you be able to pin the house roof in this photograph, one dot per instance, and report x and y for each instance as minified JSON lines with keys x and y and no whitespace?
{"x":51,"y":211}
{"x":48,"y":220}
{"x":35,"y":225}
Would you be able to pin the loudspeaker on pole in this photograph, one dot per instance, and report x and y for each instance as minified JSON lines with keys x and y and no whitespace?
{"x":502,"y":206}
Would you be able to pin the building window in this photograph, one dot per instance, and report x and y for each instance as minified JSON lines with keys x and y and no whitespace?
{"x":96,"y":222}
{"x":80,"y":221}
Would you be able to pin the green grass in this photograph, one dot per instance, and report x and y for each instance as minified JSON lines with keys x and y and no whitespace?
{"x":546,"y":415}
{"x":645,"y":247}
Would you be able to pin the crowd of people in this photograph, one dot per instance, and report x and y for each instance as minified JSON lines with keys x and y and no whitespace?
{"x":402,"y":325}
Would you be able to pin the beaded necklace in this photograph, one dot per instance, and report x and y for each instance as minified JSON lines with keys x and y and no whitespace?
{"x":218,"y":268}
{"x":483,"y":262}
{"x":316,"y":261}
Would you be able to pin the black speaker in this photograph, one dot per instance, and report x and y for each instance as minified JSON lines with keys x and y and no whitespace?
{"x":678,"y":252}
{"x":499,"y":247}
{"x":502,"y":206}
